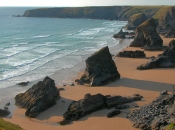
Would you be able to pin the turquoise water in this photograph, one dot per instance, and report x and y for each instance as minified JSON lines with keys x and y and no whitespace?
{"x":31,"y":48}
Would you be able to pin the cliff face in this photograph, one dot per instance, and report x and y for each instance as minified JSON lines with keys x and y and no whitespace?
{"x":106,"y":12}
{"x":166,"y":17}
{"x":135,"y":20}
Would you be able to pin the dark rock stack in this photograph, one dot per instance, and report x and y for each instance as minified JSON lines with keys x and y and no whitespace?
{"x":131,"y":54}
{"x":91,"y":103}
{"x":155,"y":115}
{"x":135,"y":20}
{"x":100,"y":69}
{"x":165,"y":60}
{"x":120,"y":34}
{"x":147,"y":36}
{"x":39,"y":97}
{"x":171,"y":33}
{"x":4,"y":113}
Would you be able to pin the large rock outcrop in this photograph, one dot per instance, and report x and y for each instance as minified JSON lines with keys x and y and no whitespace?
{"x":100,"y":69}
{"x":131,"y":54}
{"x":171,"y":33}
{"x":165,"y":60}
{"x":92,"y":103}
{"x":120,"y":34}
{"x":135,"y":20}
{"x":39,"y":97}
{"x":147,"y":36}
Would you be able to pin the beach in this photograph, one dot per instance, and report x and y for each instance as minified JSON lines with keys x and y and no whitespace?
{"x":148,"y":83}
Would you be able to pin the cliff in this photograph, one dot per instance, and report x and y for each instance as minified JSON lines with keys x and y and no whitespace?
{"x":104,"y":12}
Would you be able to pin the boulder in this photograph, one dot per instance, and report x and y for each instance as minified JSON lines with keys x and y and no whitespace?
{"x":120,"y":34}
{"x":4,"y":113}
{"x":135,"y":20}
{"x":100,"y":69}
{"x":39,"y":97}
{"x":165,"y":60}
{"x":171,"y":33}
{"x":147,"y":36}
{"x":89,"y":104}
{"x":131,"y":54}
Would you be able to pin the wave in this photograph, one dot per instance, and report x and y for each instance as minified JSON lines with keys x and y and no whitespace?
{"x":19,"y":38}
{"x":41,"y":36}
{"x":16,"y":53}
{"x":12,"y":75}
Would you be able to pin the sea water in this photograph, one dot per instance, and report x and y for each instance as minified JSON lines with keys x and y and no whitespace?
{"x":32,"y":48}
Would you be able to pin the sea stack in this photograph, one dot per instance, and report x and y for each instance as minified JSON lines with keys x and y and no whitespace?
{"x":100,"y":69}
{"x":147,"y":36}
{"x":165,"y":60}
{"x":39,"y":97}
{"x":135,"y":20}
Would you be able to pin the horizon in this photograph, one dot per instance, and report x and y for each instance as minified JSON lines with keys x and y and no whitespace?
{"x":85,"y":3}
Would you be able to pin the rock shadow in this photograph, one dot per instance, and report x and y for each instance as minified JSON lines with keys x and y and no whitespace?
{"x":141,"y":84}
{"x":57,"y":110}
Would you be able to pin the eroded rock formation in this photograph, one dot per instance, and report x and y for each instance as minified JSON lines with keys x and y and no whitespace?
{"x":165,"y":60}
{"x":131,"y":54}
{"x":147,"y":36}
{"x":100,"y":69}
{"x":135,"y":20}
{"x":120,"y":34}
{"x":171,"y":33}
{"x":92,"y":103}
{"x":39,"y":97}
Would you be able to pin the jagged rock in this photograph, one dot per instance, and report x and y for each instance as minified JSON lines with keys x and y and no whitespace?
{"x":147,"y":36}
{"x":61,"y":89}
{"x":100,"y":69}
{"x":39,"y":97}
{"x":118,"y":100}
{"x":4,"y":113}
{"x":165,"y":60}
{"x":135,"y":20}
{"x":171,"y":33}
{"x":132,"y":54}
{"x":89,"y":104}
{"x":113,"y":113}
{"x":120,"y":34}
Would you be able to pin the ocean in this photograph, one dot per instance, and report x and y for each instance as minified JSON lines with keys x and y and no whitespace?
{"x":32,"y":48}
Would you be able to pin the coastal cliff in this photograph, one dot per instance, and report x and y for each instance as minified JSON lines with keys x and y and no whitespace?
{"x":104,"y":12}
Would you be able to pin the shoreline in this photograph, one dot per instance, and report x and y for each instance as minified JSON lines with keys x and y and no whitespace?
{"x":56,"y":76}
{"x":147,"y":83}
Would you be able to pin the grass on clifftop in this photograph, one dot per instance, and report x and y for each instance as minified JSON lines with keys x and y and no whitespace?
{"x":4,"y":125}
{"x":162,"y":11}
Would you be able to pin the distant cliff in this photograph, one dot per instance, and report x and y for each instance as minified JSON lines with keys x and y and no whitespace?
{"x":164,"y":14}
{"x":104,"y":12}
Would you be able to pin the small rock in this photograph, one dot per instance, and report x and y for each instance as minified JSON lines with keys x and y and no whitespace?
{"x":72,"y":84}
{"x":64,"y":122}
{"x":77,"y":80}
{"x":7,"y":104}
{"x":113,"y":113}
{"x":4,"y":113}
{"x":6,"y":108}
{"x":23,"y":83}
{"x":165,"y":92}
{"x":64,"y":85}
{"x":61,"y":89}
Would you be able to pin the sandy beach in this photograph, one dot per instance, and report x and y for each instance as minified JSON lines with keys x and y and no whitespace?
{"x":147,"y":83}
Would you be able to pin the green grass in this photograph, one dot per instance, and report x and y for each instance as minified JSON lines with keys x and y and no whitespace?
{"x":162,"y":11}
{"x":4,"y":125}
{"x":170,"y":126}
